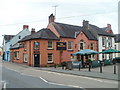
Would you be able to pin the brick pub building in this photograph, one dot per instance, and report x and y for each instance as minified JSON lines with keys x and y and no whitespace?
{"x":42,"y":48}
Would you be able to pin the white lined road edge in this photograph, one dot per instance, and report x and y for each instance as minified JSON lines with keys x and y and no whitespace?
{"x":99,"y":80}
{"x":95,"y":79}
{"x":54,"y":83}
{"x":61,"y":84}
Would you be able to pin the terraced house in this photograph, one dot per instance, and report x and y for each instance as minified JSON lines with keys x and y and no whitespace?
{"x":11,"y":41}
{"x":56,"y":43}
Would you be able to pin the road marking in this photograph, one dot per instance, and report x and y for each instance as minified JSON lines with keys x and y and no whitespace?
{"x":99,"y":80}
{"x":61,"y":84}
{"x":55,"y":73}
{"x":54,"y":83}
{"x":44,"y":80}
{"x":12,"y":69}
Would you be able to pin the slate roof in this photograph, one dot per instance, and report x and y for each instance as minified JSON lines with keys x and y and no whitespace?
{"x":68,"y":31}
{"x":41,"y":34}
{"x":105,"y":28}
{"x":117,"y":38}
{"x":8,"y":37}
{"x":98,"y":31}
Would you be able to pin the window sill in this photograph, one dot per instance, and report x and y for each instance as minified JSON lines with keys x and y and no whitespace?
{"x":50,"y":49}
{"x":24,"y":61}
{"x":70,"y":50}
{"x":50,"y":62}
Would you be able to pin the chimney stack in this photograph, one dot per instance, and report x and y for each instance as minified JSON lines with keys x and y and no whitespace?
{"x":86,"y":24}
{"x":109,"y":30}
{"x":32,"y":30}
{"x":109,"y":26}
{"x":25,"y":27}
{"x":51,"y":18}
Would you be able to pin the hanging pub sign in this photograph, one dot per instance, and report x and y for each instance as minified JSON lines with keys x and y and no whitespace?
{"x":61,"y":45}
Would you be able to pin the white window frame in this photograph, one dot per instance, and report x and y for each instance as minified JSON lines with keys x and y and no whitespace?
{"x":16,"y":55}
{"x":50,"y":47}
{"x":80,"y":45}
{"x":103,"y":41}
{"x":71,"y":45}
{"x":25,"y":57}
{"x":51,"y":57}
{"x":109,"y":42}
{"x":92,"y":45}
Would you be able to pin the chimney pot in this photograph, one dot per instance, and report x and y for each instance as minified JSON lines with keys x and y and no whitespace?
{"x":32,"y":30}
{"x":25,"y":27}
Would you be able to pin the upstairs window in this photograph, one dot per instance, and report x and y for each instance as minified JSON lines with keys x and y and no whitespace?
{"x":109,"y":41}
{"x":92,"y":46}
{"x":81,"y":45}
{"x":36,"y":45}
{"x":70,"y":45}
{"x":50,"y":44}
{"x":19,"y":37}
{"x":103,"y":41}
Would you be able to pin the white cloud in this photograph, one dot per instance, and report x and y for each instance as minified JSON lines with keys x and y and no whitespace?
{"x":98,"y":12}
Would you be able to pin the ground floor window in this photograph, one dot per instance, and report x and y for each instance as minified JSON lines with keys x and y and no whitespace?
{"x":16,"y":55}
{"x":50,"y":57}
{"x":104,"y":56}
{"x":110,"y":56}
{"x":25,"y":57}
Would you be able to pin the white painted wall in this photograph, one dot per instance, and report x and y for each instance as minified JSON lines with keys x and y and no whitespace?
{"x":100,"y":46}
{"x":23,"y":33}
{"x":117,"y":48}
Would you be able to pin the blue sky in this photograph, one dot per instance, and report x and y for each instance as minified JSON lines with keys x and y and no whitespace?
{"x":16,"y":13}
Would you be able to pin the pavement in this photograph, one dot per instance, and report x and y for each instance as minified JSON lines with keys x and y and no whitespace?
{"x":85,"y":72}
{"x":108,"y":72}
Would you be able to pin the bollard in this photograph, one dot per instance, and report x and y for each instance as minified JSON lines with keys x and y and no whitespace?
{"x":100,"y":67}
{"x":115,"y":68}
{"x":89,"y":67}
{"x":79,"y":66}
{"x":62,"y":67}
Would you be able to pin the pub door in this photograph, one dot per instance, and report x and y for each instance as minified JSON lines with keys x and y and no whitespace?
{"x":36,"y":60}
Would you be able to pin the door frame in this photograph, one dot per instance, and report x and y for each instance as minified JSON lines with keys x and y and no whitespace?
{"x":34,"y":59}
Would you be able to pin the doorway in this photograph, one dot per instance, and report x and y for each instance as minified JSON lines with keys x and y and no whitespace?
{"x":36,"y":60}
